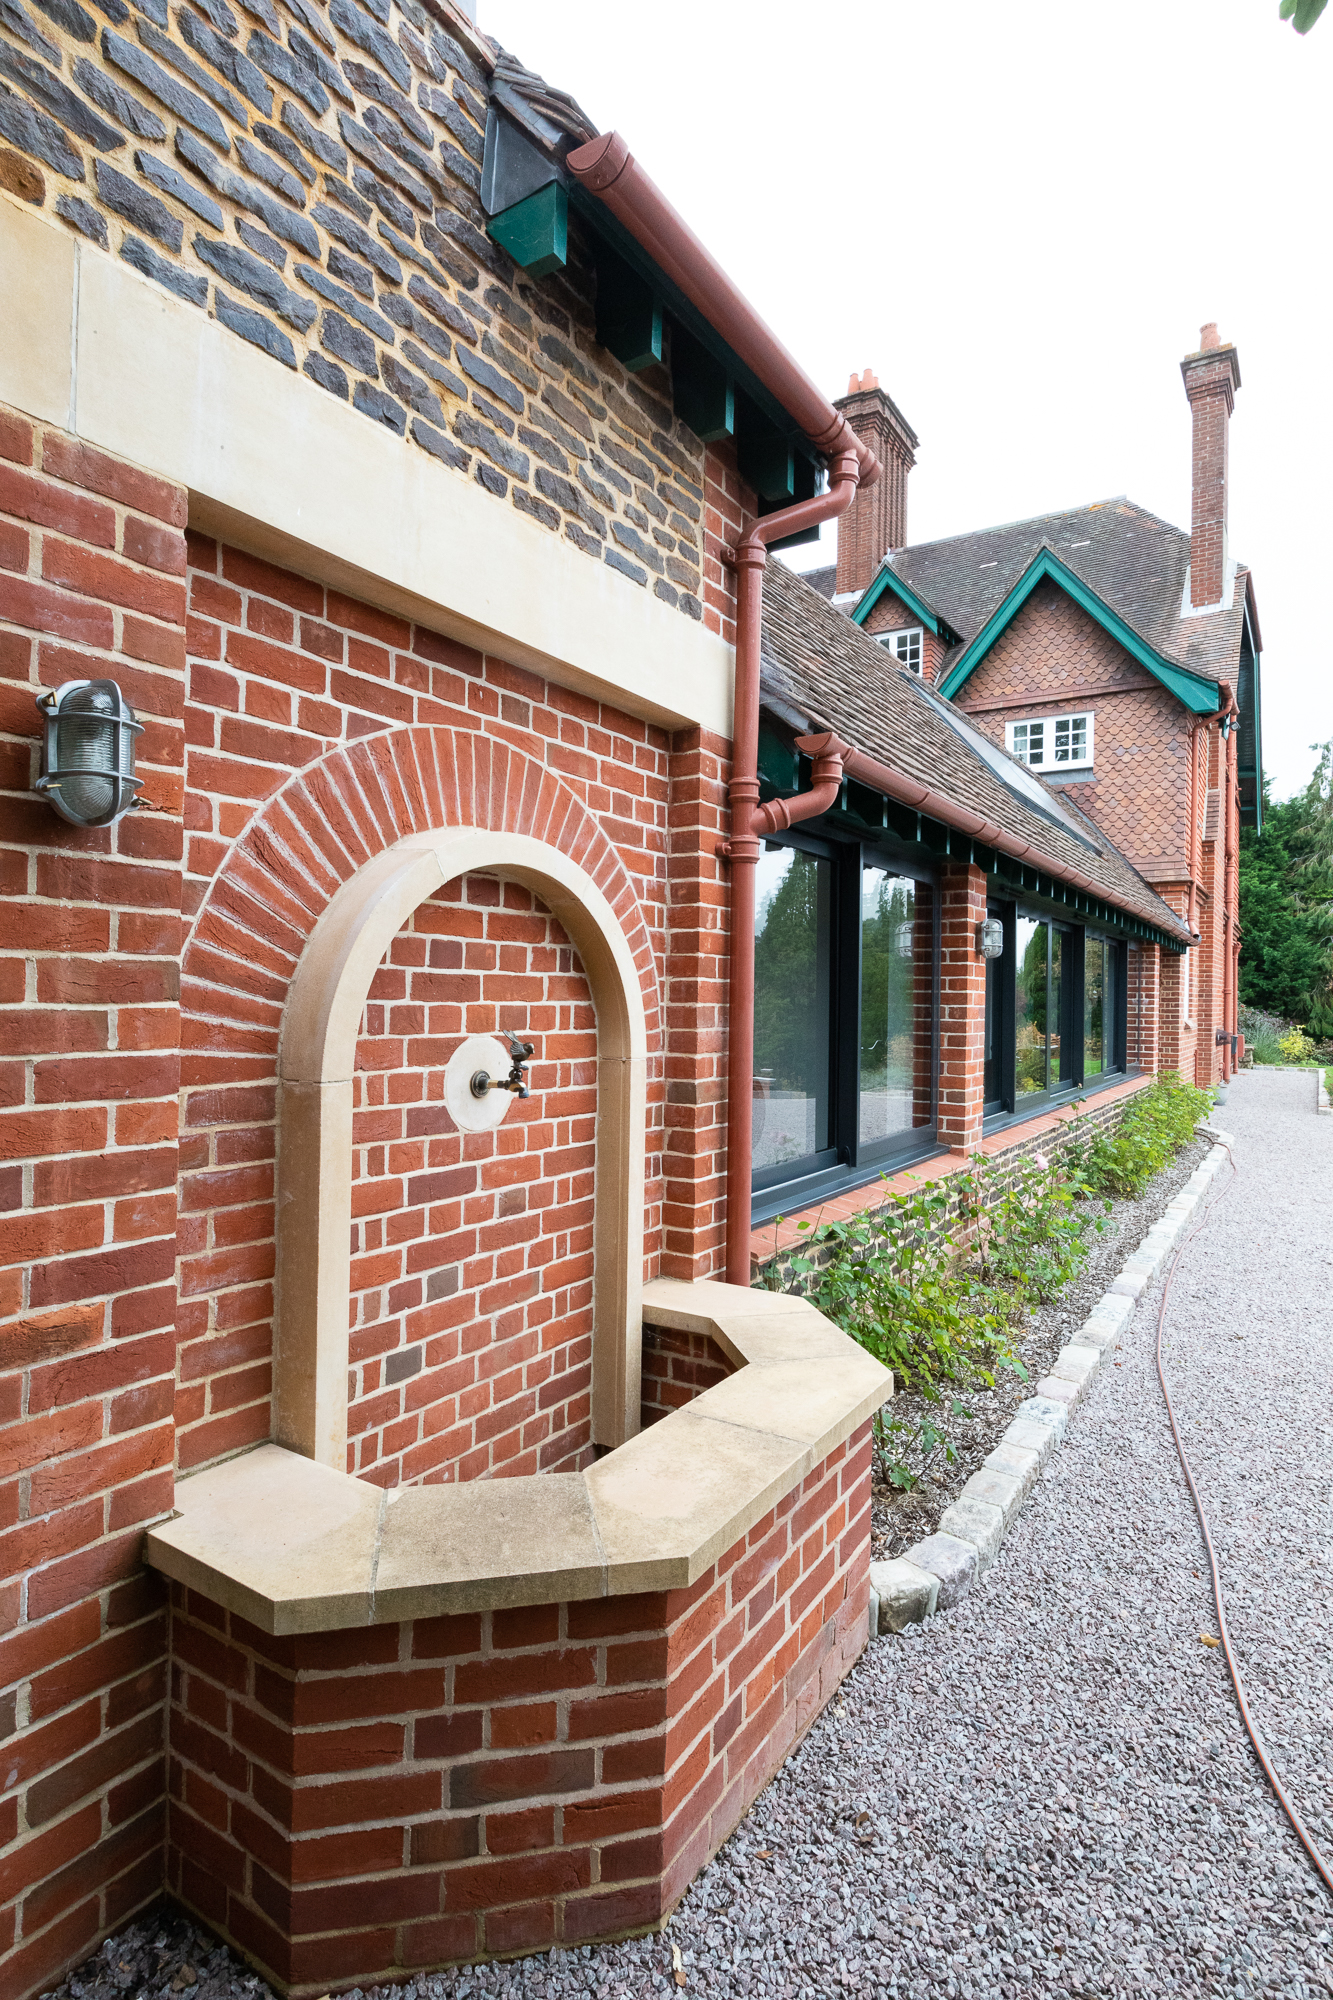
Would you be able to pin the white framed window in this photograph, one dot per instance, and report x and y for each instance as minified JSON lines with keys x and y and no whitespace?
{"x":1051,"y":742}
{"x":905,"y":646}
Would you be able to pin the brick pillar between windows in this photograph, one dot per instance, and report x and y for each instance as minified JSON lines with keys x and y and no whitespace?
{"x":1170,"y":1037}
{"x":962,"y":1007}
{"x":1144,"y":998}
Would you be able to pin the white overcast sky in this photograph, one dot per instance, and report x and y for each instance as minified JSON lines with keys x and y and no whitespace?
{"x":1019,"y":215}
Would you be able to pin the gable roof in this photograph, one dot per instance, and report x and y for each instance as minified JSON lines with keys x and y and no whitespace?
{"x":1200,"y":696}
{"x":820,"y":667}
{"x":1114,"y":556}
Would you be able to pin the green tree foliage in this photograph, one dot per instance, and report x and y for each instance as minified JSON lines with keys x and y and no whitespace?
{"x":1301,"y":13}
{"x":1286,"y":905}
{"x":787,"y":953}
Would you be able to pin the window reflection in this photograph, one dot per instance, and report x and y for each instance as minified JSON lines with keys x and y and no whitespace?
{"x":792,"y":953}
{"x":897,"y":945}
{"x":1094,"y":1006}
{"x":1032,"y":940}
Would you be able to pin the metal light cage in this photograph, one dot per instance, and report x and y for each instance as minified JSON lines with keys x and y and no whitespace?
{"x":88,"y":752}
{"x":990,"y":938}
{"x":904,"y":937}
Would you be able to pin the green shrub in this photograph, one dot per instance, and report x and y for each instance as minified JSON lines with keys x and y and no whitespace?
{"x":891,"y":1278}
{"x":1297,"y":1047}
{"x":1154,"y":1127}
{"x":937,"y":1311}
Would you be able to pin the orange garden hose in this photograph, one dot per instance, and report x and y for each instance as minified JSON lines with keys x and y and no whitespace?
{"x":1306,"y":1838}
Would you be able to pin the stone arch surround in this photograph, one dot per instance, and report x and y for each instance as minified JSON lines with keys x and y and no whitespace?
{"x":355,"y":831}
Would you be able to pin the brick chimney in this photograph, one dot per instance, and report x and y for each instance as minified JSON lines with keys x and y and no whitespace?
{"x":876,"y":521}
{"x":1212,"y":377}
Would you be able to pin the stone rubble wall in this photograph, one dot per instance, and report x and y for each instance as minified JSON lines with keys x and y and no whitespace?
{"x":308,"y":174}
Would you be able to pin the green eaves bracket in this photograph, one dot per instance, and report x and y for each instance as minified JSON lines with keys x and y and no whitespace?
{"x":888,"y":580}
{"x":1200,"y":696}
{"x":535,"y":231}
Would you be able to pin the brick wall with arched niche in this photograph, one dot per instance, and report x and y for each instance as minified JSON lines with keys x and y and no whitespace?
{"x":472,"y":1254}
{"x":329,"y":822}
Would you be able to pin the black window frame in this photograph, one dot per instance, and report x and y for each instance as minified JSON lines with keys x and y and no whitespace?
{"x":849,"y":1162}
{"x":1002,"y":1104}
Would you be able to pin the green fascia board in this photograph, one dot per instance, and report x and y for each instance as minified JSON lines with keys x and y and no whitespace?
{"x":1200,"y":696}
{"x":535,"y":231}
{"x":889,"y":580}
{"x":613,"y":232}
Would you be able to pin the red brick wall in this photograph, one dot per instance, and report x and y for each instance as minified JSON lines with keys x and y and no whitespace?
{"x":694,"y":1159}
{"x":1209,"y":387}
{"x":962,"y":1040}
{"x":92,"y":556}
{"x":471,"y":1344}
{"x":677,"y":1367}
{"x":348,"y":698}
{"x":418,"y":1794}
{"x":728,"y":503}
{"x":1143,"y":1001}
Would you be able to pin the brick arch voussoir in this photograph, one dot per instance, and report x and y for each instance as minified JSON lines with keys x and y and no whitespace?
{"x":334,"y":816}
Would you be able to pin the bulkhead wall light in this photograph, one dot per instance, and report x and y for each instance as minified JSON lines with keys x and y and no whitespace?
{"x":904,"y":938}
{"x":990,"y":938}
{"x":88,"y":752}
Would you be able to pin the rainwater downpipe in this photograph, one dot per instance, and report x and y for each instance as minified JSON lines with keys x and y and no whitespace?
{"x":751,"y":823}
{"x":606,"y":168}
{"x":1230,"y":968}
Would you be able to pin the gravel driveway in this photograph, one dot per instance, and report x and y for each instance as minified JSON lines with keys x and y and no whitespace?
{"x":1047,"y":1790}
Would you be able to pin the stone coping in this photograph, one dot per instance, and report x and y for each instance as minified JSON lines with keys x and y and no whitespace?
{"x":298,"y":1547}
{"x":785,"y":1232}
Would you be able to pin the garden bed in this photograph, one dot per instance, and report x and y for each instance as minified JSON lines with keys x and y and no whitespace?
{"x":903,"y":1517}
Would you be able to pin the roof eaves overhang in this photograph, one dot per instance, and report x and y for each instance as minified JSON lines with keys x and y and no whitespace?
{"x":888,"y":579}
{"x":714,"y":389}
{"x":1198,"y":694}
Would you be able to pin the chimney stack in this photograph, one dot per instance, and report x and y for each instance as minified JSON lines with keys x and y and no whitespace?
{"x":876,"y":521}
{"x":1212,"y":377}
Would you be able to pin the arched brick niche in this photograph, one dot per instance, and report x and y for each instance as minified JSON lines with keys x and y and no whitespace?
{"x":472,"y":1255}
{"x":471,"y":1339}
{"x":330,"y":824}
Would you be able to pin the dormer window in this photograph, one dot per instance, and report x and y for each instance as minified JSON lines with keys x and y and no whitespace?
{"x":1052,"y":742}
{"x":905,"y":646}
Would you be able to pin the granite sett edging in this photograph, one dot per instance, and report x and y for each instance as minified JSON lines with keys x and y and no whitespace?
{"x":938,"y":1572}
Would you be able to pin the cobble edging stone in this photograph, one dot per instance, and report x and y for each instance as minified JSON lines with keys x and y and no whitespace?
{"x":939,"y":1571}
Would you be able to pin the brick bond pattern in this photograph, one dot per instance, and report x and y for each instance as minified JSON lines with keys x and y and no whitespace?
{"x":604,"y":778}
{"x":361,"y":1804}
{"x":471,"y":1343}
{"x":677,"y":1367}
{"x":311,"y":180}
{"x":962,"y":1040}
{"x":92,"y":563}
{"x":299,"y":735}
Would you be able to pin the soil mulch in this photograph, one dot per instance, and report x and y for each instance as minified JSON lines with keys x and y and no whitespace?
{"x":899,"y":1519}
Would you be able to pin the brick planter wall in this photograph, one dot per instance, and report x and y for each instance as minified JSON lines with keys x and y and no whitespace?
{"x":677,"y":1367}
{"x":351,"y":1806}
